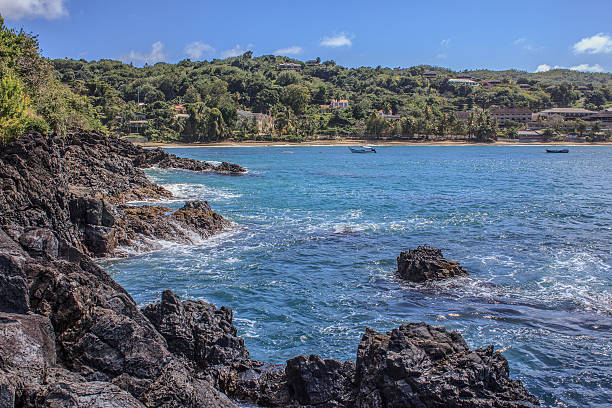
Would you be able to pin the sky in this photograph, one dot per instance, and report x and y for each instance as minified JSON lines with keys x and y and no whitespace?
{"x":535,"y":35}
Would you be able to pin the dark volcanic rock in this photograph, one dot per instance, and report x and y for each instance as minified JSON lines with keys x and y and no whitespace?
{"x":198,"y":215}
{"x":164,"y":160}
{"x":140,"y":227}
{"x":418,"y":365}
{"x":427,"y":263}
{"x":71,"y":336}
{"x":326,"y":383}
{"x":70,"y":186}
{"x":14,"y":295}
{"x":197,"y":330}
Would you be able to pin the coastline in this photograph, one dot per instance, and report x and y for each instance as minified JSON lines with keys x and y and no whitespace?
{"x":71,"y":332}
{"x":353,"y":142}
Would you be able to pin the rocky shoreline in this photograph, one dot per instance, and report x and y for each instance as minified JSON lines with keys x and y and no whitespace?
{"x":73,"y":337}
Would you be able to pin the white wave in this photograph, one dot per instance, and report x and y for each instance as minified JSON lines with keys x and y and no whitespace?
{"x":247,"y":327}
{"x":145,"y":245}
{"x":192,"y":191}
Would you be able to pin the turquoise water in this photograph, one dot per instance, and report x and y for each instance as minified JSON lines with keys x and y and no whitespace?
{"x":310,"y":262}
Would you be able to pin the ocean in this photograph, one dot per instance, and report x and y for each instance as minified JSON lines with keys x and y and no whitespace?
{"x":310,"y":260}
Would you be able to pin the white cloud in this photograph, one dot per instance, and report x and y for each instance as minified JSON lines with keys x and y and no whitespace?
{"x":197,"y":49}
{"x":293,"y":50}
{"x":339,"y":40}
{"x":543,"y":68}
{"x":525,"y":44}
{"x":441,"y":56}
{"x":18,"y":9}
{"x":236,"y":51}
{"x":156,"y":54}
{"x":445,"y":42}
{"x":588,"y":68}
{"x":598,"y":44}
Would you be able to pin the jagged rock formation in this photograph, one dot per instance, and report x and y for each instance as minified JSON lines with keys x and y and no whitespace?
{"x":164,"y":160}
{"x":73,"y":337}
{"x":418,"y":365}
{"x":426,"y":263}
{"x":72,"y":186}
{"x":415,"y":365}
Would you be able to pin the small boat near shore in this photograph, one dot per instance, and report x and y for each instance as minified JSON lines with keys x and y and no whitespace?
{"x":362,"y":149}
{"x":557,"y":150}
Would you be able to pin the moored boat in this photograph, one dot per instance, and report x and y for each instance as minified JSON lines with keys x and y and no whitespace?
{"x":362,"y":149}
{"x":557,"y":150}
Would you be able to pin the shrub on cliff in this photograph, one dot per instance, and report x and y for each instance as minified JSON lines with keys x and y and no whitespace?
{"x":31,"y":96}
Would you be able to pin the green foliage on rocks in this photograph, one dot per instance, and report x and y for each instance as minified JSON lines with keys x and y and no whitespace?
{"x":31,"y":96}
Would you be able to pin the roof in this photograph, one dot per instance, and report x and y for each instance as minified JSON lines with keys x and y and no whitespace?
{"x":463,"y":81}
{"x":567,"y":110}
{"x":340,"y":101}
{"x":463,"y":114}
{"x":600,"y":115}
{"x":247,"y":114}
{"x":516,"y":111}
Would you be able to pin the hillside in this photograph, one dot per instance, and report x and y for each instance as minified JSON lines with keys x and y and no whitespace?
{"x":212,"y":91}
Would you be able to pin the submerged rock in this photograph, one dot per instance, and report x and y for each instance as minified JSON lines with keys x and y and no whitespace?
{"x":426,"y":263}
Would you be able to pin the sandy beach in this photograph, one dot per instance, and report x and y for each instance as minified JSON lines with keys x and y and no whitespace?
{"x":359,"y":142}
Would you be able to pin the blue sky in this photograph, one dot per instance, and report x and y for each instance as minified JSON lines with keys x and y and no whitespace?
{"x":526,"y":35}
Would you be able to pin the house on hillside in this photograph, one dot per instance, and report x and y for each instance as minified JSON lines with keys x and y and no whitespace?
{"x":180,"y":111}
{"x":463,"y":81}
{"x":265,"y":123}
{"x":566,"y":113}
{"x":527,"y":136}
{"x":290,"y":67}
{"x":605,"y":117}
{"x":463,"y":116}
{"x":389,"y":115}
{"x":341,"y":103}
{"x":312,"y":62}
{"x":430,"y":74}
{"x":505,"y":115}
{"x":492,"y":82}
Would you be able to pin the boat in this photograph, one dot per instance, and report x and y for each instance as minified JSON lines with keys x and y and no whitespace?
{"x":362,"y":149}
{"x":557,"y":150}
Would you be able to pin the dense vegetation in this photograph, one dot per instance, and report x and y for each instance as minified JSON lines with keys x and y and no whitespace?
{"x":67,"y":94}
{"x":31,"y":95}
{"x":212,"y":91}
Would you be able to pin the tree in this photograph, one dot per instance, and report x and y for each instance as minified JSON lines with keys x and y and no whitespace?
{"x":580,"y":126}
{"x":296,"y":97}
{"x":13,"y":103}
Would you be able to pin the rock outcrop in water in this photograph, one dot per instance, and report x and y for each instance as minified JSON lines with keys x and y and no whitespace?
{"x":72,"y":337}
{"x":426,"y":263}
{"x":72,"y":186}
{"x":415,"y":365}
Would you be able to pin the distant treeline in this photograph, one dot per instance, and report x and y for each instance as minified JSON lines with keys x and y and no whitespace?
{"x":212,"y":91}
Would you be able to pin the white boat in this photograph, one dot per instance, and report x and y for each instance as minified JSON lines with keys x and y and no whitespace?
{"x":362,"y":149}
